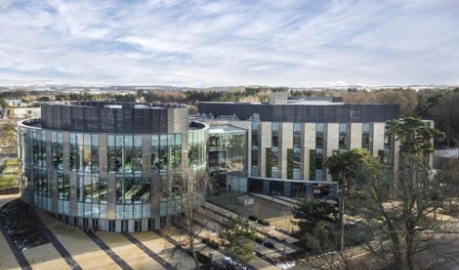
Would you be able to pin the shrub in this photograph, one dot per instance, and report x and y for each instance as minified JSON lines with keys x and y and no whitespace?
{"x":268,"y":244}
{"x":12,"y":162}
{"x":201,"y":257}
{"x":211,"y":243}
{"x":252,"y":218}
{"x":264,"y":222}
{"x":259,"y":240}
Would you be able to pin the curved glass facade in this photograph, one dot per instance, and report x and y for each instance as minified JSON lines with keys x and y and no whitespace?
{"x":110,"y":181}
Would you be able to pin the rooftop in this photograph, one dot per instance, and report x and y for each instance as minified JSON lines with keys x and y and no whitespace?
{"x":219,"y":129}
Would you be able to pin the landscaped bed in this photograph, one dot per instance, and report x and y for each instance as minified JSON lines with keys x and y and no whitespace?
{"x":24,"y":233}
{"x":9,"y":184}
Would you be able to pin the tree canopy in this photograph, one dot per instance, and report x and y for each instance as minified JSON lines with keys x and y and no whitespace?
{"x":238,"y":238}
{"x":345,"y":167}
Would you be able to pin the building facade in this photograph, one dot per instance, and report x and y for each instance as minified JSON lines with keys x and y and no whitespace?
{"x":112,"y":166}
{"x":289,"y":140}
{"x":227,"y":149}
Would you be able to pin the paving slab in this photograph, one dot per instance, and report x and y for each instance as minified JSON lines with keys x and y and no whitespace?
{"x":165,"y":250}
{"x":180,"y":236}
{"x":6,"y":198}
{"x":45,"y":257}
{"x":256,"y":262}
{"x":7,"y":259}
{"x":131,"y":254}
{"x":281,"y":247}
{"x":265,"y":229}
{"x":83,"y":250}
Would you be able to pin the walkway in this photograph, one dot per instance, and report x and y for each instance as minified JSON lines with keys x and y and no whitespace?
{"x":56,"y":244}
{"x":71,"y":248}
{"x":84,"y":251}
{"x":165,"y":250}
{"x":10,"y":257}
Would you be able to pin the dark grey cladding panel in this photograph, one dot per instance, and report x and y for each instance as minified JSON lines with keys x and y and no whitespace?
{"x":125,"y":118}
{"x":332,"y":113}
{"x":177,"y":121}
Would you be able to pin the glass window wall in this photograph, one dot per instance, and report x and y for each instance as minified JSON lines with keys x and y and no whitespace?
{"x":73,"y":152}
{"x":255,"y":147}
{"x":197,"y":150}
{"x":57,"y":150}
{"x":320,"y":136}
{"x":296,"y":150}
{"x":166,"y":152}
{"x":367,"y":137}
{"x":275,"y":150}
{"x":343,"y":137}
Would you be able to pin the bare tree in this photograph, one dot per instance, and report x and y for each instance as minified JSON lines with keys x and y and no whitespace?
{"x":182,"y":196}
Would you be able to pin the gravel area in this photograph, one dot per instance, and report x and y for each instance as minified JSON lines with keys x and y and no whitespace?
{"x":15,"y":219}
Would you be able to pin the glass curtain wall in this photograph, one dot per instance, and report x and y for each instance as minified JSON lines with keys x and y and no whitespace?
{"x":274,"y":164}
{"x":343,"y":137}
{"x":227,"y":157}
{"x":318,"y":157}
{"x":255,"y":148}
{"x":86,"y":163}
{"x":296,"y":150}
{"x":367,"y":137}
{"x":197,"y":151}
{"x":385,"y":153}
{"x":166,"y":152}
{"x":57,"y":151}
{"x":42,"y":183}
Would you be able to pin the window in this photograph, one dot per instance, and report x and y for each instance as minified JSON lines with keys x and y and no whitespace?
{"x":94,"y":167}
{"x":74,"y":153}
{"x":343,"y":136}
{"x":56,"y":150}
{"x":367,"y":137}
{"x":63,"y":187}
{"x":275,"y":134}
{"x":296,"y":151}
{"x":274,"y":164}
{"x":319,"y":136}
{"x":255,"y":144}
{"x":319,"y":159}
{"x":112,"y":163}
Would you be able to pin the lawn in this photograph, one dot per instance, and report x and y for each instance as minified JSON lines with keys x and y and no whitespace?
{"x":11,"y":170}
{"x":8,"y":181}
{"x":12,"y":162}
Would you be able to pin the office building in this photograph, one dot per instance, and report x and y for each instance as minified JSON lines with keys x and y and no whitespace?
{"x":112,"y":166}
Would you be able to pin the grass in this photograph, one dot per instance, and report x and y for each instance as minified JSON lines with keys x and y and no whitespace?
{"x":12,"y":162}
{"x":9,"y":180}
{"x":11,"y":170}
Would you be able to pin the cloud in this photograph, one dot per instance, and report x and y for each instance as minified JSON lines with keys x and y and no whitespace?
{"x":211,"y":43}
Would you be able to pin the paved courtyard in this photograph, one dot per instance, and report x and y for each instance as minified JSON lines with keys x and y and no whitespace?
{"x":71,"y":248}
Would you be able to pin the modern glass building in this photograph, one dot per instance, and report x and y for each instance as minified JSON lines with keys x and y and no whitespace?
{"x":113,"y":166}
{"x":290,"y":140}
{"x":228,"y":158}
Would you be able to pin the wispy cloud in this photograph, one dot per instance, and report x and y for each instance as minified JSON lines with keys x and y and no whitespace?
{"x":207,"y":43}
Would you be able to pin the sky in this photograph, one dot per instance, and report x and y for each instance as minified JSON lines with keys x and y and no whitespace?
{"x":200,"y":43}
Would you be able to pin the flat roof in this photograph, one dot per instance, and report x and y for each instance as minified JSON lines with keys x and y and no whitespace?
{"x":220,"y":129}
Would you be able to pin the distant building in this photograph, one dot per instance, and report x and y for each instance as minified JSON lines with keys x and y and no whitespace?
{"x":13,"y":102}
{"x":24,"y":112}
